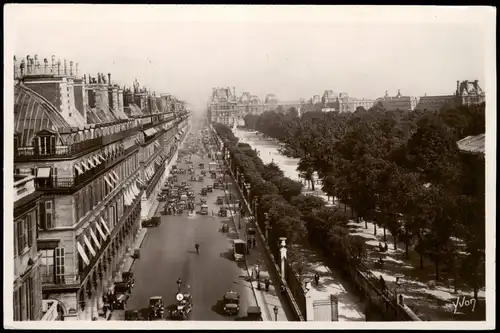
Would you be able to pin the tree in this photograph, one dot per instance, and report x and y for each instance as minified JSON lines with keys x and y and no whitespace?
{"x":288,"y":188}
{"x":307,"y":203}
{"x":272,"y":171}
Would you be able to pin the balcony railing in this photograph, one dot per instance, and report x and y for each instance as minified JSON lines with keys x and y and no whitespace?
{"x":75,"y":148}
{"x":60,"y":183}
{"x":66,"y":279}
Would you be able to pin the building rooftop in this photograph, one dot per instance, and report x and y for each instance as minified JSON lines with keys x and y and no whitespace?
{"x":473,"y":144}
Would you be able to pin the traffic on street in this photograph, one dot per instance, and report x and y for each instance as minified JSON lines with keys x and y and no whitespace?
{"x":187,"y":267}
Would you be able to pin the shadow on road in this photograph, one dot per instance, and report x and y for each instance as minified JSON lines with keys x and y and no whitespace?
{"x":227,"y":255}
{"x":218,"y":308}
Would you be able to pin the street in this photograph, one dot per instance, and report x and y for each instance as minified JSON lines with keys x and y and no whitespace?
{"x":168,"y":253}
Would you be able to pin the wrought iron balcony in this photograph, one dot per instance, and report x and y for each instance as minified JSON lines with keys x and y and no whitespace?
{"x":65,"y":279}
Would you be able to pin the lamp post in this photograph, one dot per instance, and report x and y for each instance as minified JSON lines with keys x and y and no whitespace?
{"x":275,"y":309}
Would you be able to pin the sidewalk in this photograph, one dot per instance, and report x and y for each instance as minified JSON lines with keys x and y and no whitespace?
{"x":350,"y":307}
{"x":265,"y":300}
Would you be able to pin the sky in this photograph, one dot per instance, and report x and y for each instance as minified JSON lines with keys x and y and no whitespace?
{"x":291,"y":51}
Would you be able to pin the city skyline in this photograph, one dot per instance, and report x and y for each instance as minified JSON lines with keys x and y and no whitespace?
{"x":423,"y":57}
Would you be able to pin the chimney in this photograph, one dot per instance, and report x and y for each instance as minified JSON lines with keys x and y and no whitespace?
{"x":458,"y":86}
{"x":37,"y":65}
{"x":71,"y":68}
{"x":53,"y":65}
{"x":46,"y":66}
{"x":22,"y":68}
{"x":84,"y":78}
{"x":109,"y":79}
{"x":59,"y":66}
{"x":76,"y":70}
{"x":98,"y":77}
{"x":65,"y":67}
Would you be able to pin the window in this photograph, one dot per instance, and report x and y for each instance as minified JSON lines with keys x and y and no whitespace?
{"x":78,"y":213}
{"x":22,"y":241}
{"x":49,"y":215}
{"x":46,"y":145}
{"x":29,"y":227}
{"x":59,"y":264}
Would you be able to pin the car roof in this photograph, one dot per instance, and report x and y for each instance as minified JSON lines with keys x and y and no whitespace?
{"x":239,"y":241}
{"x":156,"y":297}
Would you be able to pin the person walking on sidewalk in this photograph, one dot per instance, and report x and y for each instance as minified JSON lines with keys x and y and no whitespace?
{"x":316,"y":278}
{"x":253,"y":242}
{"x":267,"y":283}
{"x":249,"y":243}
{"x":197,"y":247}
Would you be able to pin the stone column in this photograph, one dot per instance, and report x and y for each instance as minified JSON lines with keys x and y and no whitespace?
{"x":283,"y":255}
{"x":309,"y":301}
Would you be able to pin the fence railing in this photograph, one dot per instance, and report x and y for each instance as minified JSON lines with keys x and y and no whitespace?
{"x":65,"y":279}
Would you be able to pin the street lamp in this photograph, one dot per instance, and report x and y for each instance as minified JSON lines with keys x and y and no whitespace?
{"x":275,"y":309}
{"x":179,"y":283}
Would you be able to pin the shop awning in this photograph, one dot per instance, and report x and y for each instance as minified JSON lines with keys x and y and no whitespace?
{"x":157,"y":144}
{"x":96,"y":160}
{"x":101,"y":157}
{"x":105,"y":225}
{"x":126,"y":198}
{"x":87,"y":242}
{"x":94,"y":237}
{"x":103,"y":235}
{"x":43,"y":173}
{"x":108,"y":182}
{"x":131,"y":193}
{"x":90,"y":161}
{"x":117,"y":179}
{"x":85,"y":166}
{"x":177,"y":136}
{"x":81,"y":251}
{"x":135,"y":190}
{"x":140,"y":182}
{"x":158,"y":159}
{"x":79,"y":170}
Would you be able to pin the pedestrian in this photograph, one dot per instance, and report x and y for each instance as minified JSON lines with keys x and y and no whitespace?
{"x":386,"y":247}
{"x":249,"y":243}
{"x":316,"y":278}
{"x":267,"y":283}
{"x":282,"y":287}
{"x":253,"y":242}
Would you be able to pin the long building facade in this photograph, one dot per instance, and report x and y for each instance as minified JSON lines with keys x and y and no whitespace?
{"x":97,"y":156}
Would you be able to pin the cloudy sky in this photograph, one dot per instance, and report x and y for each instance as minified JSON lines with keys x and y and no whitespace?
{"x":292,"y":52}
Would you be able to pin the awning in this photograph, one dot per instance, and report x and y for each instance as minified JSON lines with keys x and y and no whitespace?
{"x":96,"y":160}
{"x":43,"y":173}
{"x":101,"y":157}
{"x":177,"y":136}
{"x":158,"y":159}
{"x":135,"y":189}
{"x":150,"y":132}
{"x":96,"y":241}
{"x":87,"y":242}
{"x":126,"y":198}
{"x":82,"y":253}
{"x":78,"y":170}
{"x":91,"y":162}
{"x":140,"y":182}
{"x":117,"y":179}
{"x":108,"y":182}
{"x":103,"y":235}
{"x":85,"y":166}
{"x":106,"y":228}
{"x":156,"y":143}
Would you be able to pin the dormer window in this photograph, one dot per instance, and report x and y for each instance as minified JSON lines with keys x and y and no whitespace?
{"x":46,"y":144}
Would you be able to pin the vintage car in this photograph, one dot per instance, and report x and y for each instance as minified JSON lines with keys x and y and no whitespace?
{"x":223,"y":212}
{"x":183,"y":197}
{"x":204,"y":210}
{"x":183,"y":308}
{"x":213,"y":175}
{"x":184,"y":183}
{"x":200,"y":178}
{"x":120,"y":295}
{"x":192,"y":178}
{"x":204,"y":191}
{"x":128,"y":278}
{"x":216,"y":185}
{"x":156,"y":308}
{"x":201,"y":166}
{"x":191,"y":194}
{"x":132,"y":315}
{"x":174,"y":178}
{"x":231,"y":303}
{"x":210,"y":188}
{"x":225,"y":227}
{"x":151,"y":222}
{"x":220,"y":200}
{"x":203,"y":172}
{"x":203,"y":201}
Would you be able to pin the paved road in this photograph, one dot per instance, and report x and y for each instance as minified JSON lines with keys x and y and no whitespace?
{"x":168,"y":253}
